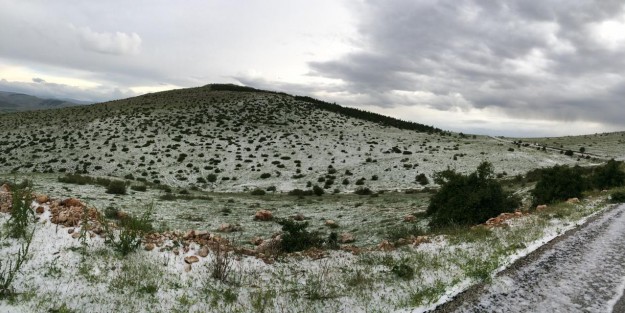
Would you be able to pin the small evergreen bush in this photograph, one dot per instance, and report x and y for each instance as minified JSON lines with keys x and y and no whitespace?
{"x":468,"y":199}
{"x":116,"y":187}
{"x":296,"y":237}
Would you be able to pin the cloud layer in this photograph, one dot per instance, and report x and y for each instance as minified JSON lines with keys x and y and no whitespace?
{"x":536,"y":59}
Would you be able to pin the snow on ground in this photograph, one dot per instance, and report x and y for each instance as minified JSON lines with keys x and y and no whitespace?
{"x":583,"y":272}
{"x":59,"y":275}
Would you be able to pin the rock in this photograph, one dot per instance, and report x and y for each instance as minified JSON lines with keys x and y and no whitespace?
{"x":5,"y":188}
{"x":62,"y":218}
{"x":228,"y":228}
{"x":256,"y":241}
{"x":6,"y":199}
{"x":420,"y":239}
{"x":189,"y":234}
{"x":70,"y":202}
{"x":191,"y":259}
{"x":70,"y":230}
{"x":187,"y":267}
{"x":518,"y":213}
{"x":149,"y":247}
{"x":202,"y":234}
{"x":331,"y":223}
{"x":386,"y":246}
{"x":572,"y":200}
{"x":298,"y":217}
{"x":346,"y":238}
{"x":76,"y":235}
{"x":42,"y":199}
{"x":410,"y":218}
{"x":263,"y":215}
{"x":175,"y":251}
{"x":203,"y":252}
{"x":40,"y":210}
{"x":541,"y":207}
{"x":120,"y":215}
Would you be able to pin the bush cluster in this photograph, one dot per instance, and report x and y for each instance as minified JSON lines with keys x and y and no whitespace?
{"x":561,"y":182}
{"x":296,"y":237}
{"x":468,"y":199}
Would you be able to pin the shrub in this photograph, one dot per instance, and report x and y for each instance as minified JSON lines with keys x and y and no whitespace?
{"x":8,"y":270}
{"x":318,"y":191}
{"x":609,"y":175}
{"x":403,"y":270}
{"x":258,"y":192}
{"x":211,"y":178}
{"x":265,"y":175}
{"x":468,"y":199}
{"x":131,"y":232}
{"x":558,"y":184}
{"x":617,"y":197}
{"x":140,"y":188}
{"x":296,"y":237}
{"x":116,"y":187}
{"x":363,"y":191}
{"x":21,"y":213}
{"x":422,"y":179}
{"x":568,"y":152}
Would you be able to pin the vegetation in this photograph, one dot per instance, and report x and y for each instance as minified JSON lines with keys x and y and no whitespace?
{"x":131,"y":232}
{"x":116,"y":187}
{"x":609,"y":175}
{"x":558,"y":184}
{"x":617,"y":197}
{"x":468,"y":199}
{"x":21,"y":213}
{"x":296,"y":237}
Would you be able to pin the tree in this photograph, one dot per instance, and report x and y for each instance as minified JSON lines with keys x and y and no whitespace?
{"x":468,"y":199}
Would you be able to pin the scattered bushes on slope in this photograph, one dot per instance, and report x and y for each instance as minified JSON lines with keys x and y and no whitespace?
{"x":468,"y":199}
{"x":116,"y":187}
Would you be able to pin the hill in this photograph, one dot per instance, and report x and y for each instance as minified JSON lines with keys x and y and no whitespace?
{"x":232,"y":138}
{"x":17,"y":102}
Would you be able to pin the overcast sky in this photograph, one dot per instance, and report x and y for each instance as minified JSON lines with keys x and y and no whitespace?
{"x":523,"y":68}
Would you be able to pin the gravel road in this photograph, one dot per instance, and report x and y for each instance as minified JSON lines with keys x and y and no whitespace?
{"x":581,"y":271}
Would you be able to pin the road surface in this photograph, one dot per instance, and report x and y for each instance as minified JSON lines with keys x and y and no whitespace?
{"x":582,"y":271}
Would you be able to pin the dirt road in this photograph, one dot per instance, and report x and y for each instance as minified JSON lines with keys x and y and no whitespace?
{"x":582,"y":271}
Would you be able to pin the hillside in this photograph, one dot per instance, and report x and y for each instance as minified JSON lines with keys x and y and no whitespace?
{"x":18,"y":102}
{"x":245,"y":139}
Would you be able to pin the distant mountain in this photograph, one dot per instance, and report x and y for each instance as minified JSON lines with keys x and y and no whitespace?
{"x":18,"y":102}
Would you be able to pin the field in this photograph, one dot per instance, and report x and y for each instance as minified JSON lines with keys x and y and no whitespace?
{"x":205,"y":161}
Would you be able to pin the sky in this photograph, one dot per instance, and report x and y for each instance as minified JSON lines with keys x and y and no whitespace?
{"x":513,"y":68}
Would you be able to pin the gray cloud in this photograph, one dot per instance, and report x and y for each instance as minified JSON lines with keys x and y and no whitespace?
{"x":534,"y":59}
{"x":117,"y":43}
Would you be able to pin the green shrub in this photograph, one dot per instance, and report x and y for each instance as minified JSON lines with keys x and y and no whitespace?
{"x":131,"y":232}
{"x":295,"y":237}
{"x":211,"y":178}
{"x":403,"y":270}
{"x":258,"y":192}
{"x":140,"y":188}
{"x":318,"y":191}
{"x":422,"y":179}
{"x":609,"y":175}
{"x":8,"y":270}
{"x":21,"y":213}
{"x":116,"y":187}
{"x":617,"y":197}
{"x":265,"y":175}
{"x":558,"y":184}
{"x":363,"y":191}
{"x":468,"y":199}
